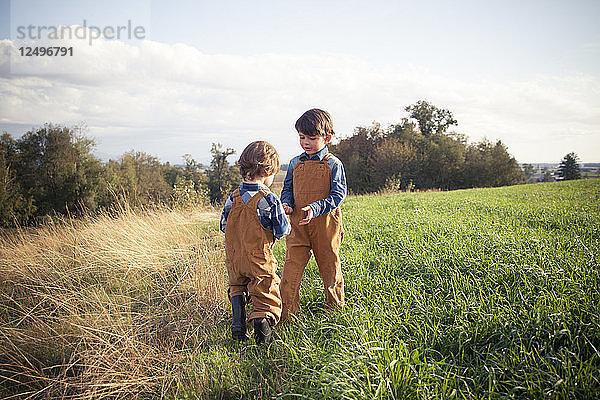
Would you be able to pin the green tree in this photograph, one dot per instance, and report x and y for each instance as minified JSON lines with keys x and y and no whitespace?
{"x":55,"y":168}
{"x":14,"y":207}
{"x":190,"y":183}
{"x":569,"y":167}
{"x":489,"y":164}
{"x":357,"y":153}
{"x":194,"y":171}
{"x":191,"y":170}
{"x":443,"y":158}
{"x":409,"y":156}
{"x":136,"y":178}
{"x":172,"y":173}
{"x":430,"y":118}
{"x":222,"y":178}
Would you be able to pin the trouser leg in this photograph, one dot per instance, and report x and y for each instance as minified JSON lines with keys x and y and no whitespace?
{"x":296,"y":258}
{"x":266,"y":299}
{"x":327,"y":238}
{"x":237,"y":282}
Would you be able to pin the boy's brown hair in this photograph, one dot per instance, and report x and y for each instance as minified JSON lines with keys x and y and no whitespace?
{"x":259,"y":159}
{"x":315,"y":122}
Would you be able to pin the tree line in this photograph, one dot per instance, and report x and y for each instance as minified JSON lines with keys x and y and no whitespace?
{"x":52,"y":170}
{"x":420,"y":153}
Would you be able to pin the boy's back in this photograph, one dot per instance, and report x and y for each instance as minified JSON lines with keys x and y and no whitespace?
{"x":252,"y":218}
{"x":268,"y":208}
{"x":249,"y":257}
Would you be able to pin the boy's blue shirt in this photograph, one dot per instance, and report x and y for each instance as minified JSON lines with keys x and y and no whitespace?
{"x":338,"y":183}
{"x":269,"y":209}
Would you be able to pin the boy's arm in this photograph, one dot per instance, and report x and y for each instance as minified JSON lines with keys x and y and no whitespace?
{"x":337,"y":193}
{"x":281,"y":225}
{"x":287,"y":193}
{"x":272,"y":215}
{"x":225,"y":213}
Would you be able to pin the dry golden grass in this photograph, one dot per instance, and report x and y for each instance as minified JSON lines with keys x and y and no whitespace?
{"x":277,"y":185}
{"x":104,"y":307}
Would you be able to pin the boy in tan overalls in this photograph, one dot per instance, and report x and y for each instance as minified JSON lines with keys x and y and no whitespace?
{"x":253,"y":217}
{"x":313,"y":189}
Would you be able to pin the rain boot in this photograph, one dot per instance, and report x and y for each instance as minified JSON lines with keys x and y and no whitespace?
{"x":238,"y":324}
{"x":262,"y":331}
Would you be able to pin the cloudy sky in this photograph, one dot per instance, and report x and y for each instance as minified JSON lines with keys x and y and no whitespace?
{"x":198,"y":72}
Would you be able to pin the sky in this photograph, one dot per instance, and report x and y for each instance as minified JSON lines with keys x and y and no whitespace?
{"x":231,"y":72}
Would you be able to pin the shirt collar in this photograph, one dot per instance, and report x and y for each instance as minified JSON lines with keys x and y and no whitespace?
{"x":252,"y":187}
{"x":317,"y":156}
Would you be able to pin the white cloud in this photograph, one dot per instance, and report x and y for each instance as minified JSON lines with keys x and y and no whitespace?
{"x":173,"y":99}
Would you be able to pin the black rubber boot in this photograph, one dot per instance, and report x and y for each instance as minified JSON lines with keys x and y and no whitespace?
{"x":262,"y":331}
{"x":238,"y":324}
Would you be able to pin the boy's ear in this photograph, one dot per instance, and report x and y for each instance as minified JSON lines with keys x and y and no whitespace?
{"x":328,"y":138}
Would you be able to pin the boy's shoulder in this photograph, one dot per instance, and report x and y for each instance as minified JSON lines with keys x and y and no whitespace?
{"x":332,"y":158}
{"x":334,"y":162}
{"x":271,"y":198}
{"x":295,"y":159}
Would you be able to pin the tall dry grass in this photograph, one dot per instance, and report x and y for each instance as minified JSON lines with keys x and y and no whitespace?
{"x":105,"y":307}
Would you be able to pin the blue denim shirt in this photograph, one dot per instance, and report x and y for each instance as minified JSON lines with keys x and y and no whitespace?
{"x":269,"y":209}
{"x":338,"y":183}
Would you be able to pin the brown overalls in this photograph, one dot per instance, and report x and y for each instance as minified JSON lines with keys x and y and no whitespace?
{"x":323,"y":234}
{"x":249,"y":259}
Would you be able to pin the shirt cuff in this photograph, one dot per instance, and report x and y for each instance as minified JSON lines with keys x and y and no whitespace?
{"x":289,"y":202}
{"x":316,"y":209}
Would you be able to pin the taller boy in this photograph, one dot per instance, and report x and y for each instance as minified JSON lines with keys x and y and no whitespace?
{"x":313,"y":189}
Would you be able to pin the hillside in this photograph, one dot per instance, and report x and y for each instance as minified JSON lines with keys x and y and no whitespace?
{"x":465,"y":294}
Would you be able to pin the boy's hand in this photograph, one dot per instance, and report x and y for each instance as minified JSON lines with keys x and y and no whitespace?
{"x":286,"y":207}
{"x":309,"y":216}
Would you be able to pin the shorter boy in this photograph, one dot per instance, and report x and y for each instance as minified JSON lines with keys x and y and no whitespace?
{"x":313,"y":190}
{"x":252,"y":218}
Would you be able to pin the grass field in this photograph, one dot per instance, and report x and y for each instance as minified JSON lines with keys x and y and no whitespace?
{"x":485,"y":293}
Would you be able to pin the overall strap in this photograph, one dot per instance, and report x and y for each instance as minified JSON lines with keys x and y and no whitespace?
{"x":256,"y":198}
{"x":235,"y":196}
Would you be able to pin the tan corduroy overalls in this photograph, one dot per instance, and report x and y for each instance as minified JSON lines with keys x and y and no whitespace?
{"x":249,"y":259}
{"x":323,"y":234}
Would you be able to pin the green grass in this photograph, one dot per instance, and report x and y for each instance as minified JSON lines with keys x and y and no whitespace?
{"x":487,"y":293}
